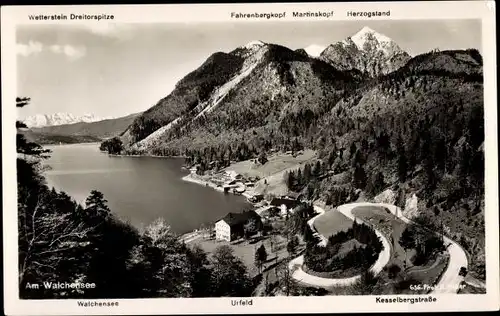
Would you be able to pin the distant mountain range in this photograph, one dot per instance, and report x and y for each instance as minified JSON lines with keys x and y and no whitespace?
{"x":80,"y":132}
{"x":42,"y":120}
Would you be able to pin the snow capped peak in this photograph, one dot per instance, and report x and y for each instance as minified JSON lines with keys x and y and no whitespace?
{"x":368,"y":51}
{"x":365,"y":30}
{"x":367,"y":34}
{"x":253,"y":44}
{"x":41,"y":120}
{"x":314,"y":50}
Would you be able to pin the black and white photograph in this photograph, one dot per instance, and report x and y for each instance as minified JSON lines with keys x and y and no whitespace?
{"x":241,"y":160}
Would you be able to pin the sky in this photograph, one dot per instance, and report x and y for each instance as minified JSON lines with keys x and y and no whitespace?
{"x":119,"y":69}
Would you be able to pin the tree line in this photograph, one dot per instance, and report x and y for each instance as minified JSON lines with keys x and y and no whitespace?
{"x":327,"y":258}
{"x":112,"y":146}
{"x":426,"y":244}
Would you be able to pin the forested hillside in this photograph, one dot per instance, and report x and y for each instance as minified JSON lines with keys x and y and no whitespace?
{"x":281,"y":86}
{"x":50,"y":139}
{"x":418,"y":130}
{"x":61,"y":241}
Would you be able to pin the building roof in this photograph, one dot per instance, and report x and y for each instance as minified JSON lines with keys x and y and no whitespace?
{"x":232,"y":174}
{"x":233,"y":219}
{"x":264,"y":211}
{"x":293,"y":195}
{"x":289,"y":203}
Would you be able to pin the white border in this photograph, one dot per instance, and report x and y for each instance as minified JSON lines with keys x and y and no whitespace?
{"x":484,"y":10}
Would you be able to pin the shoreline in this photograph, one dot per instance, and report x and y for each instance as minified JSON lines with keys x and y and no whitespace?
{"x":147,"y":156}
{"x":206,"y":183}
{"x":195,"y":234}
{"x":69,"y":144}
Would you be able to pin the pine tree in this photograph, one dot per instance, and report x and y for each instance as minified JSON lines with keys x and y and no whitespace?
{"x":358,"y":159}
{"x":290,"y":180}
{"x":23,"y":146}
{"x":376,"y":184}
{"x":359,"y":177}
{"x":401,"y":198}
{"x":352,"y":149}
{"x":307,"y":174}
{"x":260,"y":257}
{"x":309,"y":237}
{"x":96,"y":207}
{"x":430,"y":175}
{"x":292,"y":245}
{"x":299,"y":180}
{"x":317,"y":169}
{"x":464,"y":161}
{"x":402,"y":162}
{"x":262,"y":157}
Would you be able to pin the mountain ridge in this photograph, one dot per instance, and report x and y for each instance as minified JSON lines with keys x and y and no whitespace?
{"x":227,"y":88}
{"x":376,"y":117}
{"x":368,"y":51}
{"x":204,"y":88}
{"x":86,"y":131}
{"x":269,"y":61}
{"x":61,"y":118}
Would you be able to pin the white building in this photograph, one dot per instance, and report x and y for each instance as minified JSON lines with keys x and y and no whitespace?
{"x":233,"y":175}
{"x":231,"y":226}
{"x":286,"y":205}
{"x":222,"y":231}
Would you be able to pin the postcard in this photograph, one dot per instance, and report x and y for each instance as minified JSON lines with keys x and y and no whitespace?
{"x":250,"y":158}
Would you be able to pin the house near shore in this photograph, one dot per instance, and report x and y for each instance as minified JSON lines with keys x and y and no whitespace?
{"x":232,"y":226}
{"x":285,"y":204}
{"x":194,"y":169}
{"x":256,"y":198}
{"x":233,"y":175}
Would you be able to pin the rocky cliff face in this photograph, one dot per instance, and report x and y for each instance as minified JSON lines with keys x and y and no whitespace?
{"x":367,"y":51}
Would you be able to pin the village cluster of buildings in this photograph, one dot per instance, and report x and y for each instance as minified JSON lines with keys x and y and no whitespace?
{"x":232,"y":226}
{"x":231,"y":181}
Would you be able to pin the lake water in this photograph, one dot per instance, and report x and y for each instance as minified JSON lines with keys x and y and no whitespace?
{"x":138,"y":189}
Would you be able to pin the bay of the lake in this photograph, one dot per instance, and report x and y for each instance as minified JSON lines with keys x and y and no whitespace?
{"x":138,"y":189}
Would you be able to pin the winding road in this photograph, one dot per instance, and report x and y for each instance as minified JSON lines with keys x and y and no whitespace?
{"x":449,"y":282}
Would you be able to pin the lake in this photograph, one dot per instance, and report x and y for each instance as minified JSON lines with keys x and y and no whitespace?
{"x":138,"y":189}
